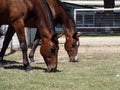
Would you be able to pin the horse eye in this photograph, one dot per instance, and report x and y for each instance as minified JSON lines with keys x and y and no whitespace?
{"x":52,"y":50}
{"x":73,"y":46}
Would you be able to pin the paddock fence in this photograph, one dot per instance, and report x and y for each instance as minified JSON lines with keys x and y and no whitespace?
{"x":97,"y":20}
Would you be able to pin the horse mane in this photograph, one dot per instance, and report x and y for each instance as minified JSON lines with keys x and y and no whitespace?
{"x":50,"y":14}
{"x":51,"y":17}
{"x":66,"y":9}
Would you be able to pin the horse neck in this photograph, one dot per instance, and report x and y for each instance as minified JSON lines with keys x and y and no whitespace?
{"x":68,"y":25}
{"x":58,"y":11}
{"x":44,"y":19}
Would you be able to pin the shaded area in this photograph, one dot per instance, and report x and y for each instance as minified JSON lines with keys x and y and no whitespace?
{"x":5,"y":62}
{"x":8,"y":64}
{"x":22,"y":68}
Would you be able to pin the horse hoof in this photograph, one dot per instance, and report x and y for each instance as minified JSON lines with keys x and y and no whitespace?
{"x":2,"y":67}
{"x":27,"y":68}
{"x":32,"y":63}
{"x":31,"y":59}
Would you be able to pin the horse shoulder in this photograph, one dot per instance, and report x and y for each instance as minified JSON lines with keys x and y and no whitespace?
{"x":16,"y":9}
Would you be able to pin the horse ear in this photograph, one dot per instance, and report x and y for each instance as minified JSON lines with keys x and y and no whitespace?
{"x":76,"y":35}
{"x":56,"y":36}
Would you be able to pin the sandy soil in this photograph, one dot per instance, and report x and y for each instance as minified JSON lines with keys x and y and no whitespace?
{"x":88,"y":45}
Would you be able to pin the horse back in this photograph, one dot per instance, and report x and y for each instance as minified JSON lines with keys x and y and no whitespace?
{"x":2,"y":5}
{"x":11,"y":10}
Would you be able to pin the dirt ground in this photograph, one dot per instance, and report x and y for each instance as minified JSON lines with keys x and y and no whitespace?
{"x":87,"y":45}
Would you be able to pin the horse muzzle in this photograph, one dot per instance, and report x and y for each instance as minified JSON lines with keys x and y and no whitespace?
{"x":73,"y":59}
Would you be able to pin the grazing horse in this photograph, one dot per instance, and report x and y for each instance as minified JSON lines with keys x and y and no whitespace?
{"x":61,"y":16}
{"x":20,"y":13}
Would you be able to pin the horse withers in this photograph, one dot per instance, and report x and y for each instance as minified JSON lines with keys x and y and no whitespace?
{"x":62,"y":16}
{"x":17,"y":13}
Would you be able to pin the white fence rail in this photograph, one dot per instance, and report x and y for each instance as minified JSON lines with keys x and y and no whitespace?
{"x":97,"y":18}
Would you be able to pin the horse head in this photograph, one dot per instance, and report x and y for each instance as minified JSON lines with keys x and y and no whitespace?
{"x":71,"y":46}
{"x":49,"y":51}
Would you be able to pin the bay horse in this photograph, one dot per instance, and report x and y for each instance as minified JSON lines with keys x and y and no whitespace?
{"x":62,"y":16}
{"x":17,"y":14}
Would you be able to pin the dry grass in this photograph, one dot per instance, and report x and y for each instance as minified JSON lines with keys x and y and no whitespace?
{"x":98,"y":69}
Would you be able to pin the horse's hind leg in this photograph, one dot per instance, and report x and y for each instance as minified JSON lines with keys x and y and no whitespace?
{"x":19,"y":28}
{"x":10,"y":32}
{"x":34,"y":46}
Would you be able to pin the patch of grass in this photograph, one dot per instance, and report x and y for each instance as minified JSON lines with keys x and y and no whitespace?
{"x":94,"y":71}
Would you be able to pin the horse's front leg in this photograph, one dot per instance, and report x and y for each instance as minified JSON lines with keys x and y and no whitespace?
{"x":19,"y":28}
{"x":34,"y":46}
{"x":9,"y":34}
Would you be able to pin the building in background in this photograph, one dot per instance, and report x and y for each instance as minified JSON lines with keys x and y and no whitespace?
{"x":90,"y":16}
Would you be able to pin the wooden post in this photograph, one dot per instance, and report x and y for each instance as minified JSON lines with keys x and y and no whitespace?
{"x":109,"y":14}
{"x":109,"y":3}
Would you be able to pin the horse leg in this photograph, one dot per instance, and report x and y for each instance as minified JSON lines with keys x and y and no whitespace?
{"x":10,"y":32}
{"x":19,"y":27}
{"x":34,"y":46}
{"x":1,"y":32}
